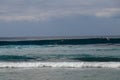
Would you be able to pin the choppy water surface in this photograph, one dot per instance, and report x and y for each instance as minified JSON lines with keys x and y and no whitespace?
{"x":96,"y":55}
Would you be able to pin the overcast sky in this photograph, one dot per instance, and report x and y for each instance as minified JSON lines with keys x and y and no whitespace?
{"x":59,"y":17}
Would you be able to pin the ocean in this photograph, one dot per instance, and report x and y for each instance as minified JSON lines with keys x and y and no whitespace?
{"x":60,"y":56}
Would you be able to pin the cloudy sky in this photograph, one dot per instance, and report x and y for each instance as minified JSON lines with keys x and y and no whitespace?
{"x":59,"y":17}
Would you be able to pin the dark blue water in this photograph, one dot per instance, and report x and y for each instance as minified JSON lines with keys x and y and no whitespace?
{"x":61,"y":41}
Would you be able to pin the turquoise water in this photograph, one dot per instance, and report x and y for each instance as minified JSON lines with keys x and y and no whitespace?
{"x":60,"y":52}
{"x":60,"y":62}
{"x":95,"y":55}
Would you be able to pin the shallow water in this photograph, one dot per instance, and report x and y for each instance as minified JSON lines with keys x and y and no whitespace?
{"x":59,"y":74}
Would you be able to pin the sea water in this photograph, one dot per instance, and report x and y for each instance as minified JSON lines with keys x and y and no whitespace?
{"x":59,"y":62}
{"x":68,"y":56}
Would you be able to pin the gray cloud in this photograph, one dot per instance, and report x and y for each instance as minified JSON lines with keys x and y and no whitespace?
{"x":41,"y":10}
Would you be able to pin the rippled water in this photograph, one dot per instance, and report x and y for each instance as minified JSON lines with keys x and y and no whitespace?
{"x":62,"y":55}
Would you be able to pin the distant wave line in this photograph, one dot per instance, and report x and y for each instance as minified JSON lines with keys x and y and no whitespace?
{"x":63,"y":41}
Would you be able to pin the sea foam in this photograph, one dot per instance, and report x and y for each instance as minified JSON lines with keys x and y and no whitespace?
{"x":60,"y":64}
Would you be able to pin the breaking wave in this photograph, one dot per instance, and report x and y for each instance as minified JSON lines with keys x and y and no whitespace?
{"x":60,"y":64}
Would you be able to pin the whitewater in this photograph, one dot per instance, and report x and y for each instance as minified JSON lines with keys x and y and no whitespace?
{"x":60,"y":64}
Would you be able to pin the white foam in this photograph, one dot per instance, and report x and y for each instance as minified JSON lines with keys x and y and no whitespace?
{"x":60,"y":64}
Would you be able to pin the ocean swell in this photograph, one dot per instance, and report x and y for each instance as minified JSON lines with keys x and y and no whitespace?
{"x":59,"y":57}
{"x":62,"y":41}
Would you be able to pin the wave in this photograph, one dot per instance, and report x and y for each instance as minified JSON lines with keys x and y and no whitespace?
{"x":62,"y":41}
{"x":60,"y":57}
{"x":15,"y":58}
{"x":60,"y":64}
